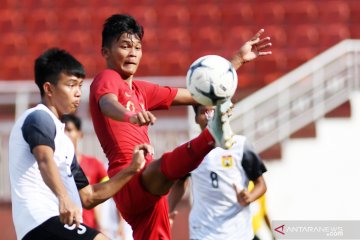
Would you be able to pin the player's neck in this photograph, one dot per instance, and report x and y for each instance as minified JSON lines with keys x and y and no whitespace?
{"x":50,"y":106}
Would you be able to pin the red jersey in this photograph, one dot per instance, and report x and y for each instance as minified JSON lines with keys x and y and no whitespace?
{"x":95,"y":173}
{"x":119,"y":138}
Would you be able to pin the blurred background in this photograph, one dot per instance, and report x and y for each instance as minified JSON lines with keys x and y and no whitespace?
{"x":299,"y":106}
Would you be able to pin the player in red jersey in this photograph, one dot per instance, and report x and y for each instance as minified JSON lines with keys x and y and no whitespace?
{"x":120,"y":108}
{"x":93,"y":168}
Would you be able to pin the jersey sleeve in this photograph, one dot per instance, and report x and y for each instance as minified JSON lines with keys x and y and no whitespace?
{"x":105,"y":82}
{"x":252,"y":163}
{"x":39,"y":129}
{"x":80,"y":178}
{"x":157,"y":97}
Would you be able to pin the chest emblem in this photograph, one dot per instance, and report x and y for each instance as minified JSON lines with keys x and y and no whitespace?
{"x":227,"y":161}
{"x":130,"y":106}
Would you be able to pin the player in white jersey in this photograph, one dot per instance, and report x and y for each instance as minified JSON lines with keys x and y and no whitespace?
{"x":220,"y":208}
{"x":48,"y":187}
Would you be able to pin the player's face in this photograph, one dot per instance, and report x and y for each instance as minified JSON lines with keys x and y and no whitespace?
{"x":72,"y":132}
{"x":203,"y":115}
{"x":124,"y":55}
{"x":65,"y":95}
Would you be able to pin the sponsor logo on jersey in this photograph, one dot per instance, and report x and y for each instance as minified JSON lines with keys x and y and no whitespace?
{"x":227,"y":161}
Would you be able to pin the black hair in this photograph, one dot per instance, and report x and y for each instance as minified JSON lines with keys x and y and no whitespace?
{"x":72,"y":118}
{"x":196,"y":109}
{"x":118,"y":24}
{"x":53,"y":62}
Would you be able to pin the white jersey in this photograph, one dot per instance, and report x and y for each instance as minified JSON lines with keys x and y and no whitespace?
{"x":33,"y":202}
{"x":216,"y":213}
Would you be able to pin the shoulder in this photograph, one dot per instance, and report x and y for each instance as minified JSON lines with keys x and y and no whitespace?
{"x":141,"y":83}
{"x":107,"y":74}
{"x":40,"y":118}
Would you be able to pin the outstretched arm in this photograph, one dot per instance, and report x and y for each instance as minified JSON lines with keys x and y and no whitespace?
{"x":92,"y":195}
{"x":176,"y":194}
{"x":251,"y":50}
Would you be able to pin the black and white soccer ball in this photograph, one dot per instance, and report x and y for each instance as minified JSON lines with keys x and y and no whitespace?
{"x":211,"y":79}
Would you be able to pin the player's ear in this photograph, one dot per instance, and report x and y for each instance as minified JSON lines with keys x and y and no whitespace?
{"x":47,"y":86}
{"x":105,"y":52}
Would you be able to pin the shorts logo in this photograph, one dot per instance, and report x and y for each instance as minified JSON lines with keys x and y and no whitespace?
{"x":227,"y":161}
{"x":80,"y":230}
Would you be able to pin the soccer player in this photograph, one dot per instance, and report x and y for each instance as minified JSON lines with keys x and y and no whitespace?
{"x":120,"y":108}
{"x":48,"y":187}
{"x":93,"y":168}
{"x":220,"y":208}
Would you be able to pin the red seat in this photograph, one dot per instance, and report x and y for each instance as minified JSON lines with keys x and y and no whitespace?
{"x":11,"y":20}
{"x":334,"y":12}
{"x":175,"y":63}
{"x":174,"y":15}
{"x":237,"y":14}
{"x":205,"y":15}
{"x":17,"y":67}
{"x":305,"y":35}
{"x":333,"y":34}
{"x":146,"y":15}
{"x":270,"y":13}
{"x":174,"y":39}
{"x":75,"y":19}
{"x":80,"y":42}
{"x":41,"y":20}
{"x":30,"y":5}
{"x":43,"y":41}
{"x":13,"y":44}
{"x":354,"y":13}
{"x":206,"y":38}
{"x":300,"y":12}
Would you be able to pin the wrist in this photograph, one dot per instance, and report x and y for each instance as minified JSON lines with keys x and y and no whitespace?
{"x":127,"y":116}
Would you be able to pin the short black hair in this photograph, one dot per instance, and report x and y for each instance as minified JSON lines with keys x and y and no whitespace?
{"x":118,"y":24}
{"x":196,"y":109}
{"x":53,"y":62}
{"x":72,"y":118}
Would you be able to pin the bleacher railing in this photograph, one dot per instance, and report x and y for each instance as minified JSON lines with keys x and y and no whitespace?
{"x":300,"y":97}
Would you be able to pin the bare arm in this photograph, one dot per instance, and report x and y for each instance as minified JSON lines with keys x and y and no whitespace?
{"x":176,"y":194}
{"x":110,"y":107}
{"x":93,"y":195}
{"x":245,"y":198}
{"x":183,"y":97}
{"x":69,"y":212}
{"x":248,"y":52}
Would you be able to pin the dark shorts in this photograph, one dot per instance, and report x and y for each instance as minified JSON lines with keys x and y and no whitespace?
{"x":53,"y":229}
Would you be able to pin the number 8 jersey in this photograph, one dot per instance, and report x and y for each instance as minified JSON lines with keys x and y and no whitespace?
{"x":216,"y":213}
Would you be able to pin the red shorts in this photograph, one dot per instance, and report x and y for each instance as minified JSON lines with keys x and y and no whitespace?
{"x":147,"y":214}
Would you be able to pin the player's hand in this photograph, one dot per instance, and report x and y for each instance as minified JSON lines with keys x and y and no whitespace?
{"x":253,"y":48}
{"x":172,"y":216}
{"x":142,"y":118}
{"x":69,"y":213}
{"x":139,"y":153}
{"x":243,"y":196}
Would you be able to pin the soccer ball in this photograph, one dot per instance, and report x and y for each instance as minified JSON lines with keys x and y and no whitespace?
{"x":211,"y":79}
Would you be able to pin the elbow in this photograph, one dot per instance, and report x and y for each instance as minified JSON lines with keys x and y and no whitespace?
{"x":87,"y":203}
